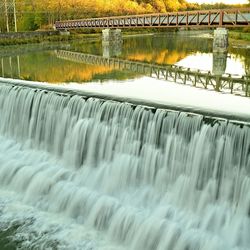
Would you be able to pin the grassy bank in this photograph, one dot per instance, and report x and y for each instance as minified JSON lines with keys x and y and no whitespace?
{"x":243,"y":35}
{"x":44,"y":39}
{"x":74,"y":35}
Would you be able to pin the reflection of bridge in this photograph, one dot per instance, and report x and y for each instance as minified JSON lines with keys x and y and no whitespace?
{"x":197,"y":78}
{"x":208,"y":18}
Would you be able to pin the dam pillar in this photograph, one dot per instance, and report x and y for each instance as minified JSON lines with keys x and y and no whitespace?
{"x":220,"y":44}
{"x":111,"y":42}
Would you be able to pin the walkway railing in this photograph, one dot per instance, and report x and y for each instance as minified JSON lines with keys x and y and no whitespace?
{"x":208,"y":18}
{"x":233,"y":84}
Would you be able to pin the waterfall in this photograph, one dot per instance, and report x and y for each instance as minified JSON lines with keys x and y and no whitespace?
{"x":85,"y":173}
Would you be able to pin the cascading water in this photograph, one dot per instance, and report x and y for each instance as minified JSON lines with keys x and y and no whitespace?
{"x":94,"y":174}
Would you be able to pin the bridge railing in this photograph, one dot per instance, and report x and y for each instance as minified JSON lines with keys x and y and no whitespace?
{"x":208,"y":18}
{"x":233,"y":84}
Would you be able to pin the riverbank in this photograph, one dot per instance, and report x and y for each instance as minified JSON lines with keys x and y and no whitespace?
{"x":74,"y":36}
{"x":240,"y":35}
{"x":243,"y":36}
{"x":46,"y":39}
{"x":239,"y":39}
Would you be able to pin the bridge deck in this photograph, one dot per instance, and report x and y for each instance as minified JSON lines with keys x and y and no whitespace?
{"x":209,"y":18}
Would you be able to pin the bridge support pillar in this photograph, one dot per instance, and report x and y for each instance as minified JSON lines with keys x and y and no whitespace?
{"x":111,"y":42}
{"x":220,"y":44}
{"x":111,"y":35}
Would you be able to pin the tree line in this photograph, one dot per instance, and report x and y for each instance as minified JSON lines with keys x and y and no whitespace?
{"x":41,"y":14}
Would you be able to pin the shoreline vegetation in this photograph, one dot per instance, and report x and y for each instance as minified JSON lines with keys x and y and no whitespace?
{"x":238,"y":35}
{"x":42,"y":14}
{"x":46,"y":39}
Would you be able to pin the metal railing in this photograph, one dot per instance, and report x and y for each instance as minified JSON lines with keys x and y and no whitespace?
{"x":208,"y":18}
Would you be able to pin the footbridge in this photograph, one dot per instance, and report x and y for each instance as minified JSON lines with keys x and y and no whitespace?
{"x":208,"y":18}
{"x":239,"y":85}
{"x":219,"y":19}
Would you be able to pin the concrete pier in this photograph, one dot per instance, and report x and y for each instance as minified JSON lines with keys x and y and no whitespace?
{"x":111,"y":42}
{"x":220,"y":44}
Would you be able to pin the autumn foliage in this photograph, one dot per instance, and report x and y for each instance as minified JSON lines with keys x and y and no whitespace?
{"x":37,"y":14}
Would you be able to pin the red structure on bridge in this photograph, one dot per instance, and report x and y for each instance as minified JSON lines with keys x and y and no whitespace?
{"x":208,"y":18}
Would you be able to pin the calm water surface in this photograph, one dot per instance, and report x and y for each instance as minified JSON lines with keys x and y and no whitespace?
{"x":43,"y":63}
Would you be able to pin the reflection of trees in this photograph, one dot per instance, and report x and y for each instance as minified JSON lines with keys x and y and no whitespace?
{"x":163,"y":49}
{"x":170,"y":42}
{"x":92,"y":47}
{"x":160,"y":49}
{"x":244,"y":55}
{"x":163,"y":57}
{"x":10,"y":51}
{"x":48,"y":68}
{"x":247,"y":65}
{"x":45,"y":67}
{"x":153,"y":48}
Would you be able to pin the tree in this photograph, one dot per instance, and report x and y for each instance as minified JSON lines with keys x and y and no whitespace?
{"x":34,"y":14}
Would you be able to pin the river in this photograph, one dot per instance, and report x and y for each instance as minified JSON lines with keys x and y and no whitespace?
{"x":41,"y":62}
{"x":78,"y":172}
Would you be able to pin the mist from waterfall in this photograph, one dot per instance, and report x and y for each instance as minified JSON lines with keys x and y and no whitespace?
{"x":85,"y":173}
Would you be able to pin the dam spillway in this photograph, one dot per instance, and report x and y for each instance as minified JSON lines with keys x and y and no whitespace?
{"x":86,"y":173}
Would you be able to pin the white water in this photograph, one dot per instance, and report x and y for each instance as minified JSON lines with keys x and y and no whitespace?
{"x":89,"y":174}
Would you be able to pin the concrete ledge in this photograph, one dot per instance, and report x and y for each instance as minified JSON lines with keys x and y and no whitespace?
{"x":210,"y":115}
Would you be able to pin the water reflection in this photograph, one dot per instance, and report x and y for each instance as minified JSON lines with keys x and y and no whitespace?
{"x":219,"y":63}
{"x":172,"y":73}
{"x":10,"y":67}
{"x":112,"y":50}
{"x":40,"y":63}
